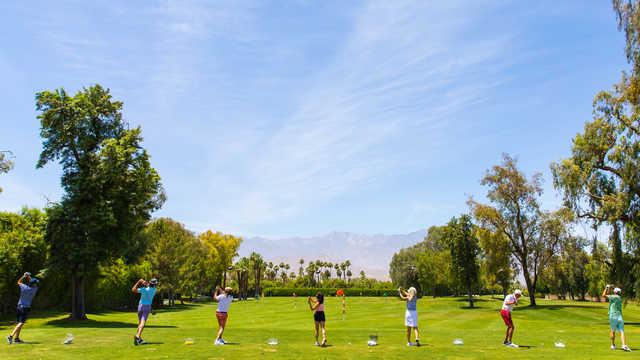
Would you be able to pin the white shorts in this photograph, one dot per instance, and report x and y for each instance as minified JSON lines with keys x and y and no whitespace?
{"x":411,"y":318}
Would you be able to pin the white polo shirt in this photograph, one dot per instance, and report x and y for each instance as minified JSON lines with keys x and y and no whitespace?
{"x":224,"y":302}
{"x":507,"y":299}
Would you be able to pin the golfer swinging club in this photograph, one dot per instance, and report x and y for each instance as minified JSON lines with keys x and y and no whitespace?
{"x":411,"y":314}
{"x":28,"y":289}
{"x":316,"y":304}
{"x":224,"y":299}
{"x":507,"y":306}
{"x":147,"y":290}
{"x":615,"y":316}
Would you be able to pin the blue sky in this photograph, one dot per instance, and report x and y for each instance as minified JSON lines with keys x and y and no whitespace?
{"x":302,"y":117}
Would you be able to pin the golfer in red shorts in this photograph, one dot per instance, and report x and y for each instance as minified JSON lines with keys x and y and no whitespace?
{"x":224,"y":299}
{"x":509,"y":302}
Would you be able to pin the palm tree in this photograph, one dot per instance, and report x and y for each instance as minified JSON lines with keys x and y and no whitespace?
{"x":281,"y":267}
{"x":258,"y":266}
{"x":241,"y":269}
{"x":286,"y":269}
{"x":343,"y":270}
{"x":311,"y":272}
{"x":301,"y":270}
{"x":347,"y":264}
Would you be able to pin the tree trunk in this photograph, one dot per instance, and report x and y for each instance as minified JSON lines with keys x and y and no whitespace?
{"x":531,"y":288}
{"x":77,"y":297}
{"x":469,"y":291}
{"x":257,"y":284}
{"x":618,"y":266}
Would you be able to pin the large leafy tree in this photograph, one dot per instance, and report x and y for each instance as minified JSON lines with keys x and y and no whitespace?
{"x":172,"y":253}
{"x":496,"y":264}
{"x":515,"y":212}
{"x":600,"y":181}
{"x":221,"y":250}
{"x":459,"y":235}
{"x":110,"y":188}
{"x":425,"y":265}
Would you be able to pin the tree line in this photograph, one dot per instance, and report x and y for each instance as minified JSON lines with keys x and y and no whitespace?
{"x":512,"y":236}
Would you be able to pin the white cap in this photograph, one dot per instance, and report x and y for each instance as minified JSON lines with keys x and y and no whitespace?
{"x":617,"y":290}
{"x":517,"y":292}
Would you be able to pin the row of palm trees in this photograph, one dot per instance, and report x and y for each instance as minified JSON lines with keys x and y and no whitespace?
{"x":316,"y":270}
{"x":319,"y":270}
{"x":254,"y":267}
{"x":275,"y":271}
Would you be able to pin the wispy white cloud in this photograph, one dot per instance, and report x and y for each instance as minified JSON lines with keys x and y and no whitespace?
{"x":386,"y":100}
{"x":399,"y":78}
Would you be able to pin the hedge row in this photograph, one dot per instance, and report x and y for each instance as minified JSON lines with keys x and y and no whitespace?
{"x":279,"y":291}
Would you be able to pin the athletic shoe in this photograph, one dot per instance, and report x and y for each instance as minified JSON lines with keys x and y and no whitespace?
{"x":409,"y":344}
{"x":506,"y":343}
{"x":222,"y":341}
{"x":626,"y":348}
{"x":324,"y":342}
{"x":417,"y":342}
{"x":513,"y":345}
{"x":141,"y":341}
{"x":18,"y":341}
{"x":9,"y":339}
{"x":218,"y":342}
{"x":317,"y":343}
{"x":613,"y":347}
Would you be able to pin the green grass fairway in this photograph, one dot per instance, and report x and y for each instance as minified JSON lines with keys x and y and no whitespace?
{"x":583,"y":327}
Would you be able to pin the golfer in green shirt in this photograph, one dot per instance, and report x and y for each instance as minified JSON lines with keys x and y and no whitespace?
{"x":615,"y":316}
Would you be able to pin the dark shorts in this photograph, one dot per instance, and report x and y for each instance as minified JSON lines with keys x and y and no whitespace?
{"x":318,"y":316}
{"x":143,"y":312}
{"x":22,"y":313}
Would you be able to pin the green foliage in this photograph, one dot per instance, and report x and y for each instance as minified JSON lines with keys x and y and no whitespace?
{"x":22,"y":248}
{"x":168,"y":242}
{"x":110,"y":187}
{"x":113,"y":287}
{"x":600,"y":181}
{"x":515,"y":212}
{"x":496,"y":266}
{"x":409,"y":267}
{"x":460,"y":238}
{"x":220,"y":250}
{"x":567,"y":272}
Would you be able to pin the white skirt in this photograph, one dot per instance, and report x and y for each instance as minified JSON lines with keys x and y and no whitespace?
{"x":411,"y":318}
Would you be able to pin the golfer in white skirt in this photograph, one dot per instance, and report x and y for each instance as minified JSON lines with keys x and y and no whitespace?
{"x":411,"y":314}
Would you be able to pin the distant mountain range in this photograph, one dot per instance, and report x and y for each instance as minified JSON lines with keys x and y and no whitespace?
{"x":371,"y":253}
